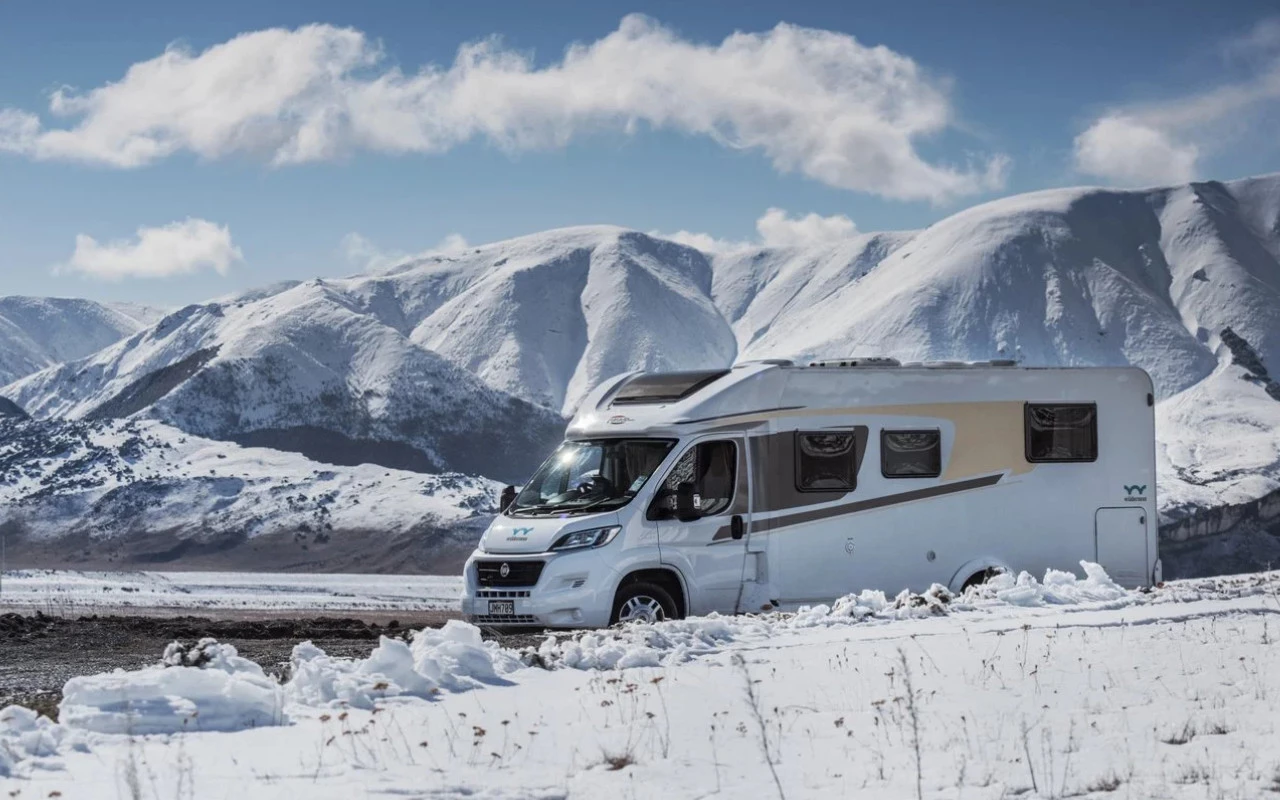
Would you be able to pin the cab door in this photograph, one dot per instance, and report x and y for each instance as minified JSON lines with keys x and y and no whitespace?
{"x":708,"y":551}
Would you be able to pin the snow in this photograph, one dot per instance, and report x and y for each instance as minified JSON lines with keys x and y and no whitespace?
{"x":210,"y":688}
{"x":453,"y":658}
{"x":432,"y":354}
{"x":1091,"y":691}
{"x":96,"y":477}
{"x":38,"y":332}
{"x":77,"y":592}
{"x":33,"y":741}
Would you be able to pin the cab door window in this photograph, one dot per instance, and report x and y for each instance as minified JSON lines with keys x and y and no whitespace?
{"x":712,"y":469}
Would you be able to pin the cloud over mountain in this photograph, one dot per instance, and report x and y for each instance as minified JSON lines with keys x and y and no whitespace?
{"x":811,"y":101}
{"x":179,"y":248}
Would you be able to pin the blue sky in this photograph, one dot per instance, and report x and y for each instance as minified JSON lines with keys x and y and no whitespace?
{"x":969,"y":101}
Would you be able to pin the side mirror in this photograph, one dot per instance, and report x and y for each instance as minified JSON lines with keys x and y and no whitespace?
{"x":686,"y":511}
{"x":508,"y":497}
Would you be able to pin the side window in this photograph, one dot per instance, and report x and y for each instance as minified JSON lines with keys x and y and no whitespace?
{"x":910,"y":454}
{"x":1061,"y":432}
{"x":826,"y":461}
{"x":712,"y":468}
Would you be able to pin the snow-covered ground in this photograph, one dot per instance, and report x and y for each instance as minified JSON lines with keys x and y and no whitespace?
{"x":75,"y":592}
{"x":1065,"y":687}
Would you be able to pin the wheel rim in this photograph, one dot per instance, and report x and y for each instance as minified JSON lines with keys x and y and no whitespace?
{"x":641,"y":608}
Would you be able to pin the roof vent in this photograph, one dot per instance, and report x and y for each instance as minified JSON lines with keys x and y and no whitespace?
{"x":996,"y":362}
{"x":873,"y":361}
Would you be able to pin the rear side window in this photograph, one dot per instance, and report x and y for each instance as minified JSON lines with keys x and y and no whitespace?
{"x":911,"y":454}
{"x":826,"y":461}
{"x":1061,"y":432}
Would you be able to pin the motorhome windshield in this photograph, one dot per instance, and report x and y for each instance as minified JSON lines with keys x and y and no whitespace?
{"x":588,"y":476}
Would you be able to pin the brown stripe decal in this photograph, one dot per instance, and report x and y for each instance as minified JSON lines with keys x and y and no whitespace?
{"x":816,"y":514}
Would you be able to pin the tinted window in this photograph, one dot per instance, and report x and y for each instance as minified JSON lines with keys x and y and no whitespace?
{"x":910,"y":454}
{"x":826,"y":461}
{"x":712,"y":469}
{"x":1062,"y":432}
{"x":664,"y":387}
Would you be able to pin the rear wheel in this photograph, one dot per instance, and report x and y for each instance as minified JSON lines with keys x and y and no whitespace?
{"x":981,"y":577}
{"x":642,"y":602}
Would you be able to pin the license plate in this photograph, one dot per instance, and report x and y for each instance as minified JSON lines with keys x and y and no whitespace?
{"x":502,"y":608}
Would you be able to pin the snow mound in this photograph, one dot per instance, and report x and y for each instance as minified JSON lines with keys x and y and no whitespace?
{"x":1058,"y":588}
{"x":205,"y":688}
{"x":28,"y":740}
{"x":677,"y":641}
{"x":453,"y":658}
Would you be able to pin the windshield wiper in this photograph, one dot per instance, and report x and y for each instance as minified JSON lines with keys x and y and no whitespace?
{"x":564,"y":508}
{"x":594,"y":503}
{"x":543,"y":509}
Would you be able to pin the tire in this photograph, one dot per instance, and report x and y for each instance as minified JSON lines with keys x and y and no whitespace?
{"x":981,"y":577}
{"x":642,"y":601}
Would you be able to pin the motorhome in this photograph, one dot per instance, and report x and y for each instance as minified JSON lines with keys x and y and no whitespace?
{"x":773,"y":485}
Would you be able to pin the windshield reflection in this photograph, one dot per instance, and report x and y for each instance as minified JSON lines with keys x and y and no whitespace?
{"x":590,"y":476}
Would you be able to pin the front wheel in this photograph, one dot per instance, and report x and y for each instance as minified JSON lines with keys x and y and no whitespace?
{"x":642,"y":602}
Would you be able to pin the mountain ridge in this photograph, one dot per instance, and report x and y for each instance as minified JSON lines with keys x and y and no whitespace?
{"x":472,"y":358}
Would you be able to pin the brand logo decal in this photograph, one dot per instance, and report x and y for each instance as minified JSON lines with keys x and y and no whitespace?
{"x":1135,"y":493}
{"x":521,"y":531}
{"x":505,"y":570}
{"x":618,"y":419}
{"x":848,"y":546}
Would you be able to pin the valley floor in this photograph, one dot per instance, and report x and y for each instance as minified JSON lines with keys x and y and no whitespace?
{"x":65,"y":592}
{"x":1066,"y":687}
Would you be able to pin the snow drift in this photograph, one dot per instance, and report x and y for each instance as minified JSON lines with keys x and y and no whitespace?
{"x":28,"y":740}
{"x":453,"y":658}
{"x":208,"y":688}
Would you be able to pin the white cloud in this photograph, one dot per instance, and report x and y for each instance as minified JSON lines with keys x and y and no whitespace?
{"x":813,"y":101}
{"x":1164,"y":142}
{"x":364,"y":255}
{"x":178,"y":248}
{"x":774,"y":228}
{"x":702,"y":241}
{"x":1128,"y":151}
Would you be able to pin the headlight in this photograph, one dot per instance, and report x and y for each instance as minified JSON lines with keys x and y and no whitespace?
{"x":595,"y":537}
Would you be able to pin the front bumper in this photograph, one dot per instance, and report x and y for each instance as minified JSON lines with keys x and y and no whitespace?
{"x":574,"y":590}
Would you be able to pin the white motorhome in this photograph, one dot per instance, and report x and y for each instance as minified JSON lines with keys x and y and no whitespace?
{"x":772,"y":485}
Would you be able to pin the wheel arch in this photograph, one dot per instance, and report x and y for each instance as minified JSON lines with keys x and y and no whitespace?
{"x":667,"y":577}
{"x":973,"y":568}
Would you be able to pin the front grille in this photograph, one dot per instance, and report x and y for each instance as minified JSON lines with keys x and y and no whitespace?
{"x":519,"y":573}
{"x":500,"y":593}
{"x":514,"y":619}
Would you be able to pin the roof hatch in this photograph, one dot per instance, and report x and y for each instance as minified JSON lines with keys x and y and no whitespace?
{"x":664,"y":387}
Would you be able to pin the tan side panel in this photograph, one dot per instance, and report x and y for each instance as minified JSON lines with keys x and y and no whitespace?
{"x":989,"y":435}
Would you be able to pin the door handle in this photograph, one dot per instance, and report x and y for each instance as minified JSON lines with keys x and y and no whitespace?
{"x":736,"y":528}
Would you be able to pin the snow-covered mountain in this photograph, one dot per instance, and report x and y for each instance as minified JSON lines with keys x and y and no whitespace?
{"x":38,"y":332}
{"x":466,"y":361}
{"x":305,"y":369}
{"x":139,"y":491}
